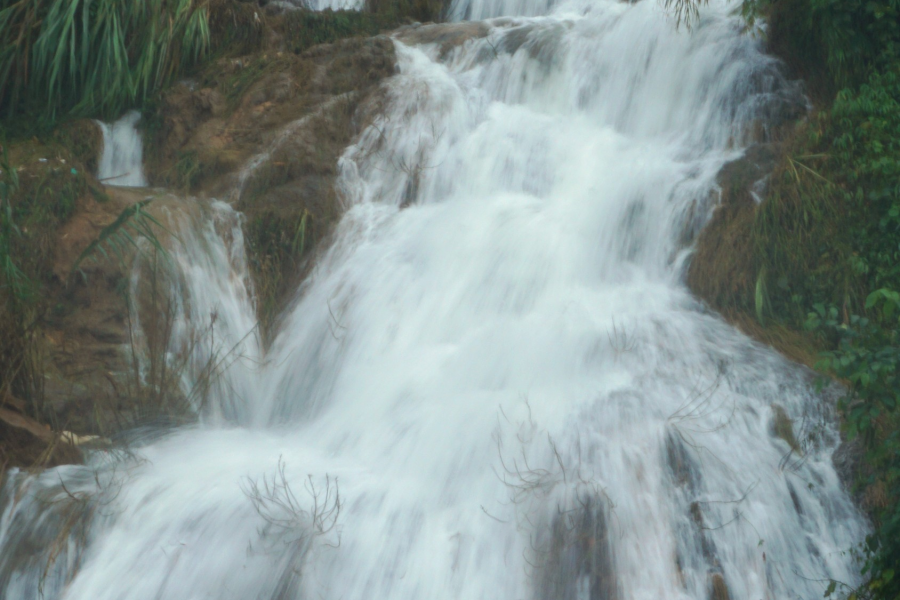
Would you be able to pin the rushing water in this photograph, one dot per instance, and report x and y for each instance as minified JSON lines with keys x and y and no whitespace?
{"x":122,"y":160}
{"x":286,"y":5}
{"x":495,"y":385}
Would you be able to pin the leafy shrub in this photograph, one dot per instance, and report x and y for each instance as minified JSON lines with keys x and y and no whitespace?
{"x":866,"y":154}
{"x":867,"y":357}
{"x":829,"y":231}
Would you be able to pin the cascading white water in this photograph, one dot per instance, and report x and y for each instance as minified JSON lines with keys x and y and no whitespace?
{"x":213,"y":316}
{"x":123,"y":154}
{"x":496,"y":365}
{"x":317,"y":4}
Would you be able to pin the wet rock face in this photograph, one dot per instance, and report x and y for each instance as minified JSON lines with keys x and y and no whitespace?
{"x":718,"y":588}
{"x":205,"y":131}
{"x":445,"y":36}
{"x":576,"y":561}
{"x":739,"y":179}
{"x":265,"y":133}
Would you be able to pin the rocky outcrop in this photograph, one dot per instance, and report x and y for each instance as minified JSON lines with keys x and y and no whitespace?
{"x":266,"y":132}
{"x":446,"y":36}
{"x":721,"y":272}
{"x":61,"y":336}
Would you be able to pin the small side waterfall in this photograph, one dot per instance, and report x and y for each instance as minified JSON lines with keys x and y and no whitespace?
{"x":122,"y":161}
{"x":317,"y":4}
{"x":495,"y":385}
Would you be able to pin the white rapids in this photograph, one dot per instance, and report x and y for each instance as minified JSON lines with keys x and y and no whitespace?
{"x":122,"y":160}
{"x":495,"y":384}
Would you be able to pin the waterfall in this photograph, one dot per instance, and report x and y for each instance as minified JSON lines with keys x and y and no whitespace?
{"x":122,"y":160}
{"x":495,"y":384}
{"x":316,"y":4}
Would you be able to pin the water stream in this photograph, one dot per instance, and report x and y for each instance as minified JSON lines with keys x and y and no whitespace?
{"x":495,"y":384}
{"x":121,"y":162}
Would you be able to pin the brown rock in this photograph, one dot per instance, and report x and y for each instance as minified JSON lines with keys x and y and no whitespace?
{"x":718,"y":589}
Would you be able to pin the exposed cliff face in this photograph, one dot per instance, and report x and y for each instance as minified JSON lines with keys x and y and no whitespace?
{"x":205,"y":130}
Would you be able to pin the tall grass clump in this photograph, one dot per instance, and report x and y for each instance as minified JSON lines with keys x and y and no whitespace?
{"x":94,"y":57}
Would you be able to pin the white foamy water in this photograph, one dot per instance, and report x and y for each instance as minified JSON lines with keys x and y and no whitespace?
{"x":318,"y":4}
{"x":215,"y":342}
{"x":122,"y":160}
{"x":496,"y":365}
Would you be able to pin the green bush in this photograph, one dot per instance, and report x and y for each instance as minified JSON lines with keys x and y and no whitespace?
{"x":829,"y":231}
{"x":867,"y":357}
{"x":866,"y":154}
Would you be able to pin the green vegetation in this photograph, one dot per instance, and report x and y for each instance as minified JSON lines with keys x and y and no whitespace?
{"x":394,"y":12}
{"x":11,"y":277}
{"x":304,"y":28}
{"x":94,"y":58}
{"x":34,"y":202}
{"x":823,"y":255}
{"x":833,"y":44}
